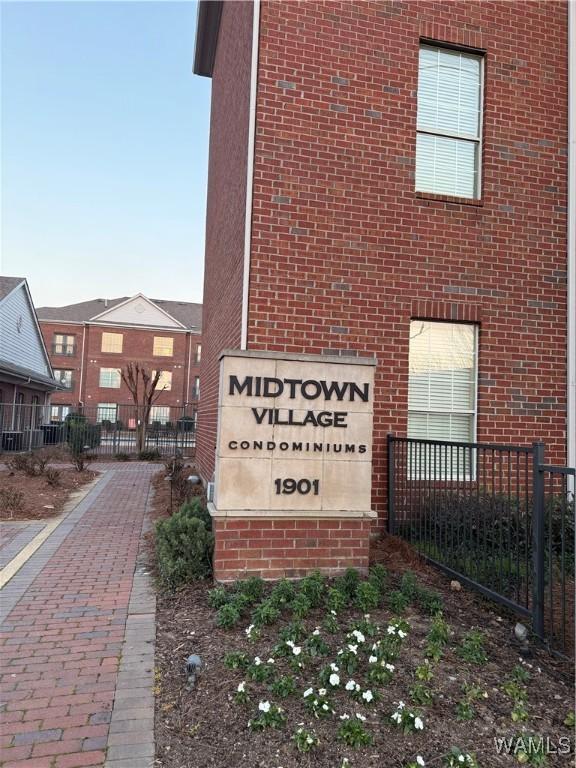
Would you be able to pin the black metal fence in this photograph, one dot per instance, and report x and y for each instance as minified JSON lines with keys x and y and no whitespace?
{"x":497,"y":518}
{"x":106,"y":429}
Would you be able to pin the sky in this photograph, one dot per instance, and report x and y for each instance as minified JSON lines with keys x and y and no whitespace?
{"x":104,"y":150}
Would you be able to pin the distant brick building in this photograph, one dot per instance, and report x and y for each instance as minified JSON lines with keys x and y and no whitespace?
{"x":90,"y":342}
{"x":389,"y":179}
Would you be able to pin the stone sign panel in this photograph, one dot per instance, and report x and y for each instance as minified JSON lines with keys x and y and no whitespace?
{"x":294,"y":436}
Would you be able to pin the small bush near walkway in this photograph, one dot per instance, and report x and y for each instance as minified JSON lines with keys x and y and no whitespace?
{"x":184,"y":545}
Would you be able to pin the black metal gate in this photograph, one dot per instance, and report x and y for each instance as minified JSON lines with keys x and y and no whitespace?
{"x":497,"y":518}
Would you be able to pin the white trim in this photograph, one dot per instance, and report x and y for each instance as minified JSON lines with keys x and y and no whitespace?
{"x":571,"y":237}
{"x":250,"y":172}
{"x":128,"y":301}
{"x":105,"y":324}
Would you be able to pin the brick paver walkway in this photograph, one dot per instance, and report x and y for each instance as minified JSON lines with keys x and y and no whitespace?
{"x":77,"y":637}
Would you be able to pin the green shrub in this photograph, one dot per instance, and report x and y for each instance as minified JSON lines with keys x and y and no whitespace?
{"x":218,"y":597}
{"x":265,"y":613}
{"x":312,"y":587}
{"x":122,"y":456}
{"x":184,"y":548}
{"x":81,"y":435}
{"x":398,"y":601}
{"x":378,"y":576}
{"x":367,"y":596}
{"x":430,"y":602}
{"x":196,"y":508}
{"x":348,"y":582}
{"x":301,"y":606}
{"x":283,"y":593}
{"x":252,"y":587}
{"x":228,"y":616}
{"x":150,"y":455}
{"x":471,"y":648}
{"x":409,"y":585}
{"x":336,"y":600}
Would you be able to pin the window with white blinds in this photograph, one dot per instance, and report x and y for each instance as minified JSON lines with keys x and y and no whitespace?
{"x":449,"y":128}
{"x":442,"y":381}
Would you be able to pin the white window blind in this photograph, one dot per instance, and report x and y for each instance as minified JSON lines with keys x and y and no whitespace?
{"x":449,"y":122}
{"x":442,"y":381}
{"x":110,"y":378}
{"x":159,"y":413}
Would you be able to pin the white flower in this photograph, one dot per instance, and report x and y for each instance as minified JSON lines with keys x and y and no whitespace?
{"x":397,"y":717}
{"x":360,"y":717}
{"x":401,"y":705}
{"x":241,"y":687}
{"x":375,"y":646}
{"x":366,"y":616}
{"x":420,"y":760}
{"x":270,"y":660}
{"x":368,"y":696}
{"x":325,"y":707}
{"x":358,"y":635}
{"x":372,"y":659}
{"x":460,"y":758}
{"x":322,"y":691}
{"x":264,"y":706}
{"x":344,"y":717}
{"x":389,"y":667}
{"x":316,"y":632}
{"x":333,"y":613}
{"x":308,"y":692}
{"x":353,"y":649}
{"x":309,"y":740}
{"x":334,"y":668}
{"x":391,"y":629}
{"x":296,"y":650}
{"x":401,"y":634}
{"x":290,"y":643}
{"x":334,"y":679}
{"x":249,"y":629}
{"x":257,"y":661}
{"x":418,"y":724}
{"x":350,"y":685}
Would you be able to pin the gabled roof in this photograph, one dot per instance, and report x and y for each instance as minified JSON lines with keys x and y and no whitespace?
{"x":10,"y":366}
{"x":7,"y":285}
{"x":186,"y":314}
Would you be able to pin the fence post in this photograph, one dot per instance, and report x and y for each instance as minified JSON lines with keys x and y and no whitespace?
{"x":538,"y":543}
{"x":391,"y":511}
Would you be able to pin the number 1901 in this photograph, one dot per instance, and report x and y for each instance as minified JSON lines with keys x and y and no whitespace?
{"x":289,"y":485}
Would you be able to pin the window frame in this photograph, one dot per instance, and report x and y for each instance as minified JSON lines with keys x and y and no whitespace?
{"x":474,"y":412}
{"x":481,"y":55}
{"x":58,"y":376}
{"x":110,"y":351}
{"x":102,"y":406}
{"x":156,"y":353}
{"x":109,"y":386}
{"x":160,"y":387}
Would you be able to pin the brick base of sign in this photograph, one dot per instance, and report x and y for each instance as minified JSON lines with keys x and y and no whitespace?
{"x":276,"y":548}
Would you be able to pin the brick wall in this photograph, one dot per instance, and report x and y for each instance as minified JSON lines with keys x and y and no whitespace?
{"x":222,"y":307}
{"x":137,"y":346}
{"x":345,"y":253}
{"x":281,"y":548}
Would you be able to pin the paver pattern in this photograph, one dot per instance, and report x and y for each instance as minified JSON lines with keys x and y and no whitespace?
{"x":77,"y":637}
{"x":14,"y":536}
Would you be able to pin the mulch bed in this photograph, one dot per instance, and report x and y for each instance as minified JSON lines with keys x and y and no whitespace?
{"x":42,"y":501}
{"x":204,"y":727}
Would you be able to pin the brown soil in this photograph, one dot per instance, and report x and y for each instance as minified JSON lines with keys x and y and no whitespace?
{"x":40,"y":500}
{"x":206,"y":728}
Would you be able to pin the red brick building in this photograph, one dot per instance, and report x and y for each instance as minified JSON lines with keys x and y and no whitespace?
{"x":389,"y":179}
{"x":90,"y":342}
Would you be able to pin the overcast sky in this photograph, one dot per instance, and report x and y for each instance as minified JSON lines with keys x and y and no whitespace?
{"x":104,"y":150}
